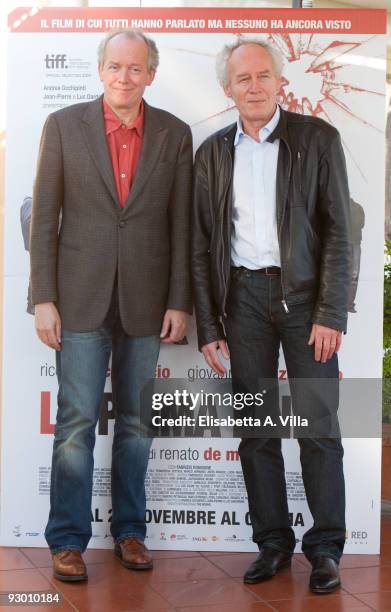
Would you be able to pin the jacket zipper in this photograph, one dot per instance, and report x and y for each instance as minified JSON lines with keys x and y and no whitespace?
{"x":283,"y":301}
{"x":300,"y":188}
{"x":222,"y":243}
{"x":299,"y":165}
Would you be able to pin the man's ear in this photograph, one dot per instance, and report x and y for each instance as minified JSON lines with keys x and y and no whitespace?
{"x":151,"y":76}
{"x":227,"y":90}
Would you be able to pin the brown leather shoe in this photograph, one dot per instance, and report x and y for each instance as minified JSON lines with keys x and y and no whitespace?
{"x":68,"y":565}
{"x":134,"y":554}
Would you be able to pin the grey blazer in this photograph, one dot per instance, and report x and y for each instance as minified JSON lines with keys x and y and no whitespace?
{"x":145,"y":244}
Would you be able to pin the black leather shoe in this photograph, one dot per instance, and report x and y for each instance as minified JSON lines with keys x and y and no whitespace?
{"x":324,"y":576}
{"x":265,"y":566}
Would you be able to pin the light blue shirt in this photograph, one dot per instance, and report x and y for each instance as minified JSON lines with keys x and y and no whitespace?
{"x":254,"y":240}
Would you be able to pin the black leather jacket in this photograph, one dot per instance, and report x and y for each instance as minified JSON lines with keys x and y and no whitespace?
{"x":313,"y":222}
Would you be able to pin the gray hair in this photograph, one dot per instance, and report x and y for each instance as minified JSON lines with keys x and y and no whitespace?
{"x":153,"y":53}
{"x":224,"y":56}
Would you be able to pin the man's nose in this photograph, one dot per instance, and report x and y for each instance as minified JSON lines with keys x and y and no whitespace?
{"x":255,"y":84}
{"x":123,"y":75}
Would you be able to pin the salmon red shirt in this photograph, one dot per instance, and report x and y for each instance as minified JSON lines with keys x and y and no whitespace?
{"x":125,"y":147}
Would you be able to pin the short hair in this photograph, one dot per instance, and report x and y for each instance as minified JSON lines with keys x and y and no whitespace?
{"x":153,"y":53}
{"x":224,"y":56}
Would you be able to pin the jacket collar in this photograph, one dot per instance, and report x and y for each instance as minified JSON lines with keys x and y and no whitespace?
{"x":268,"y":128}
{"x":95,"y":135}
{"x":280,"y":131}
{"x":153,"y":139}
{"x":227,"y":134}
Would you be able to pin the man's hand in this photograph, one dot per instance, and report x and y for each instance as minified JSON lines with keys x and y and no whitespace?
{"x":212,"y":358}
{"x":174,"y":326}
{"x":48,"y":325}
{"x":327,"y":341}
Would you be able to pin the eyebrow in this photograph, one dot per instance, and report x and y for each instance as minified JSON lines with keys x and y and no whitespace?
{"x":118,"y":63}
{"x":260,"y":72}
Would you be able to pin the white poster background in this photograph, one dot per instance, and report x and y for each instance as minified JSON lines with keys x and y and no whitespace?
{"x":196,"y":497}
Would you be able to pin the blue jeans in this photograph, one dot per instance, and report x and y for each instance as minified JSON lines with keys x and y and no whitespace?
{"x":81,"y":370}
{"x":256,"y":325}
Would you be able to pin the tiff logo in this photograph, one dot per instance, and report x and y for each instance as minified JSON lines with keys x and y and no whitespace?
{"x":55,"y":61}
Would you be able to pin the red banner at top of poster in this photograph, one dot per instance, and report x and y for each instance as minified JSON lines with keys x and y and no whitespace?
{"x":193,"y":20}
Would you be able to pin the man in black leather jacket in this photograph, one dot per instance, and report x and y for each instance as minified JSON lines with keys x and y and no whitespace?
{"x":271,"y":259}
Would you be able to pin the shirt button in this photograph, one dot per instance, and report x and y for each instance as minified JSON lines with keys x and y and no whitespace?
{"x":123,"y":126}
{"x":123,"y":175}
{"x":122,"y":224}
{"x":124,"y":146}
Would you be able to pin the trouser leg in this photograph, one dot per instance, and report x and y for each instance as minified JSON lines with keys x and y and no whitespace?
{"x":81,"y":369}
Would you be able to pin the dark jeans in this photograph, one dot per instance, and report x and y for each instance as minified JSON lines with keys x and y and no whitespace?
{"x":256,"y":324}
{"x":81,"y":370}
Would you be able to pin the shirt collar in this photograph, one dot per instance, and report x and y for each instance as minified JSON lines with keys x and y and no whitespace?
{"x":263,"y":132}
{"x":113,"y":123}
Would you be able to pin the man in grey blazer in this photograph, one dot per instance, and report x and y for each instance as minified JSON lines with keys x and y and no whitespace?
{"x":114,"y":279}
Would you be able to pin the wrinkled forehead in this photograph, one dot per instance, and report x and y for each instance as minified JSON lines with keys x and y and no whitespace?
{"x":121,"y":48}
{"x":248,"y":58}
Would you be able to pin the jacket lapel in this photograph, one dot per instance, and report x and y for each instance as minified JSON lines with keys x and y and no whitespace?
{"x":153,"y":139}
{"x":95,"y":136}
